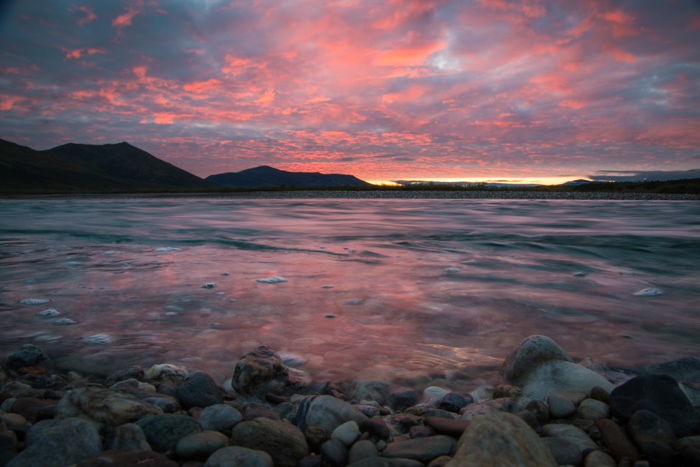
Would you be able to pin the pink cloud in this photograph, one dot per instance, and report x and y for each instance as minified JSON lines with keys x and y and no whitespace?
{"x":78,"y":53}
{"x":125,"y":19}
{"x":88,"y":14}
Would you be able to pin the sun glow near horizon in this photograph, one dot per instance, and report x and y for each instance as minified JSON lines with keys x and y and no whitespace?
{"x":557,"y":180}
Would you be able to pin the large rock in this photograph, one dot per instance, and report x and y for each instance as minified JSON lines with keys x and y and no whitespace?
{"x":501,"y":438}
{"x":27,"y":355}
{"x":238,"y":456}
{"x":659,"y":394}
{"x":531,"y":353}
{"x":165,"y":430}
{"x":219,"y":417}
{"x":284,"y":442}
{"x":327,"y":412}
{"x":421,"y":449}
{"x":200,"y":445}
{"x":686,"y":369}
{"x":130,"y":437}
{"x":64,"y":443}
{"x":259,"y":372}
{"x":104,"y":406}
{"x":199,"y":390}
{"x":653,"y":436}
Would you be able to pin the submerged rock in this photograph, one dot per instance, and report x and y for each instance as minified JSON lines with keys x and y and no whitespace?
{"x":260,"y":372}
{"x":199,"y":390}
{"x":529,"y":354}
{"x":272,"y":280}
{"x":34,"y":301}
{"x":49,"y":313}
{"x":27,"y":355}
{"x":327,"y":412}
{"x":104,"y":406}
{"x":648,"y":292}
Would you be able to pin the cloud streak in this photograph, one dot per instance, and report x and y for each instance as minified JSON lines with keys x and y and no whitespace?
{"x":396,"y":89}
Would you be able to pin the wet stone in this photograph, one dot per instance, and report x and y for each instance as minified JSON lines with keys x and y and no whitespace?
{"x":362,"y":450}
{"x":421,"y":449}
{"x":455,"y":401}
{"x":165,"y":430}
{"x":27,"y":355}
{"x":199,"y":390}
{"x":219,"y":417}
{"x":653,"y":436}
{"x":129,"y":437}
{"x":334,"y":453}
{"x":564,"y":451}
{"x":239,"y":456}
{"x":142,"y":458}
{"x":200,"y":445}
{"x":616,"y":440}
{"x":347,"y":433}
{"x":284,"y":442}
{"x":560,"y":406}
{"x":447,"y":426}
{"x":592,"y":409}
{"x":402,"y":398}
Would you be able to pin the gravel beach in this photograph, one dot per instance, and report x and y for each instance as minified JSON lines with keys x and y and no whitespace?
{"x":547,"y":410}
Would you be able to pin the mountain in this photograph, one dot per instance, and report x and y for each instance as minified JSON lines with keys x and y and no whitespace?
{"x":577,"y":182}
{"x":88,"y":168}
{"x":269,"y":177}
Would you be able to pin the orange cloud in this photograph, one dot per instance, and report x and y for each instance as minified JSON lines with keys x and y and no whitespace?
{"x":202,"y":86}
{"x":78,"y":53}
{"x":125,"y":19}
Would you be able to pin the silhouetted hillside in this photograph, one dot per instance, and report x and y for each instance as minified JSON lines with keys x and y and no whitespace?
{"x":269,"y":177}
{"x":87,"y":168}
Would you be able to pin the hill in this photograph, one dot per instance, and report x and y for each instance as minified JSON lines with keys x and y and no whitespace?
{"x":88,"y":168}
{"x":269,"y":177}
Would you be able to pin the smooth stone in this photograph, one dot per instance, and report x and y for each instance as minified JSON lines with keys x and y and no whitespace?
{"x":98,"y":339}
{"x":688,"y":450}
{"x":334,"y":453}
{"x":130,"y":437}
{"x":239,"y":456}
{"x":104,"y":406}
{"x":455,"y":401}
{"x":564,"y":451}
{"x":558,"y":375}
{"x":168,"y":371}
{"x":328,"y":412}
{"x":559,"y":406}
{"x":648,"y":292}
{"x":402,"y":398}
{"x":501,"y":438}
{"x":132,"y":384}
{"x":591,"y":409}
{"x":600,"y":394}
{"x":272,"y":280}
{"x":27,"y":355}
{"x":315,"y":437}
{"x":311,"y":461}
{"x":616,"y":440}
{"x":434,"y":392}
{"x":653,"y":436}
{"x":421,"y":449}
{"x":200,"y":445}
{"x":599,"y":459}
{"x":659,"y":394}
{"x":284,"y":442}
{"x":347,"y":432}
{"x":219,"y":417}
{"x":376,"y":427}
{"x":486,"y":407}
{"x":49,"y":313}
{"x":64,"y":322}
{"x":370,"y":390}
{"x":540,"y":409}
{"x":447,"y":426}
{"x":386,"y":462}
{"x":140,"y":458}
{"x":529,"y":354}
{"x":64,"y":443}
{"x":165,"y":430}
{"x":199,"y":390}
{"x":420,"y":431}
{"x":362,"y":450}
{"x":259,"y":372}
{"x":166,"y":403}
{"x":686,"y":369}
{"x":440,"y":461}
{"x":570,"y":433}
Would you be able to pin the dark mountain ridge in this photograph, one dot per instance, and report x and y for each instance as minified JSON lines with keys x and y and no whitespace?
{"x":89,"y":168}
{"x":268,"y":177}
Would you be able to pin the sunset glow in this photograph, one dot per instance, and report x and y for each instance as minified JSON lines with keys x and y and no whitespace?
{"x":403,"y":89}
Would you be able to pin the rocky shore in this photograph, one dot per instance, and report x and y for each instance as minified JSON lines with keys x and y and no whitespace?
{"x":548,"y":410}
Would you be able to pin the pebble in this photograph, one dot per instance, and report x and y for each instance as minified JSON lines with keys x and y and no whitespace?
{"x":347,"y":432}
{"x":334,"y":453}
{"x":219,"y":417}
{"x":648,"y":292}
{"x":165,"y":430}
{"x":208,"y":285}
{"x":166,"y":249}
{"x":239,"y":456}
{"x":200,"y":445}
{"x":283,"y":441}
{"x":616,"y":440}
{"x":564,"y":451}
{"x":49,"y":313}
{"x":560,"y":406}
{"x":421,"y":449}
{"x":272,"y":280}
{"x":362,"y":450}
{"x":592,"y":409}
{"x":599,"y":459}
{"x":34,"y":301}
{"x":199,"y":390}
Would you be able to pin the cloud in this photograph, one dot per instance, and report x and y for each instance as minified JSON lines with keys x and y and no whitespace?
{"x":87,"y":12}
{"x":648,"y":175}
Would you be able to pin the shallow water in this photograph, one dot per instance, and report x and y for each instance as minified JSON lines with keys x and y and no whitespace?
{"x":415,"y":287}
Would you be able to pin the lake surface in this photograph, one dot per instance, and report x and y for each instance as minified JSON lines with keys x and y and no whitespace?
{"x":387,"y":289}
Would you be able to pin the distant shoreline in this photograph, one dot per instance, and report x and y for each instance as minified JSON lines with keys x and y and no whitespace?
{"x":380,"y":194}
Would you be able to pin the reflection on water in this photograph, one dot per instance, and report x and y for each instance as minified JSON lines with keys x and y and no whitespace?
{"x":375,"y":288}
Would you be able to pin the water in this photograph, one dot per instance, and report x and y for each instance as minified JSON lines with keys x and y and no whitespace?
{"x":388,"y":289}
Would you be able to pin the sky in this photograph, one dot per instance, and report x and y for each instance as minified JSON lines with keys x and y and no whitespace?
{"x":384,"y":90}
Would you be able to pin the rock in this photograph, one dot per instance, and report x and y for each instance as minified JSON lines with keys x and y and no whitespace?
{"x":310,"y":461}
{"x":558,"y":375}
{"x":447,"y":426}
{"x":259,"y":372}
{"x":140,"y":458}
{"x":272,"y":280}
{"x":284,"y":442}
{"x":362,"y":450}
{"x":454,"y":401}
{"x":385,"y":462}
{"x":27,"y":355}
{"x":564,"y":451}
{"x":34,"y":301}
{"x":686,"y":369}
{"x":648,"y":292}
{"x":501,"y":438}
{"x":616,"y":440}
{"x":315,"y":437}
{"x":347,"y":432}
{"x":600,"y":394}
{"x":98,"y":339}
{"x":540,"y":409}
{"x":559,"y":406}
{"x":334,"y":453}
{"x":165,"y":371}
{"x":375,"y":426}
{"x":200,"y":445}
{"x":239,"y":456}
{"x":599,"y":459}
{"x":434,"y":393}
{"x":503,"y":390}
{"x":104,"y":406}
{"x":327,"y":412}
{"x":64,"y":322}
{"x":370,"y":390}
{"x":592,"y":409}
{"x":688,"y":451}
{"x":130,"y":437}
{"x":659,"y":394}
{"x":653,"y":436}
{"x":420,"y":431}
{"x":63,"y":443}
{"x":219,"y":417}
{"x":165,"y":430}
{"x":132,"y":384}
{"x":486,"y":407}
{"x":199,"y":390}
{"x":402,"y":398}
{"x":49,"y":313}
{"x":421,"y":449}
{"x":166,"y":403}
{"x":530,"y":353}
{"x":572,"y":434}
